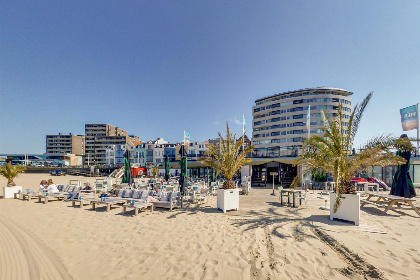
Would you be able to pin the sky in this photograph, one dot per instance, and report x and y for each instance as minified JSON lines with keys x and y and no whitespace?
{"x":157,"y":68}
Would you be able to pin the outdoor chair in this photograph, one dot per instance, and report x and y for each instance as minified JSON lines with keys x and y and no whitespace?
{"x":283,"y":194}
{"x":303,"y":197}
{"x":201,"y":196}
{"x":172,"y":200}
{"x":245,"y":187}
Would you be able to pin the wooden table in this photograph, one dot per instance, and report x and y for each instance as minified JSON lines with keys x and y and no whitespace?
{"x":109,"y":202}
{"x":389,"y":202}
{"x":289,"y":192}
{"x":137,"y":207}
{"x":29,"y":196}
{"x":51,"y":197}
{"x":367,"y":187}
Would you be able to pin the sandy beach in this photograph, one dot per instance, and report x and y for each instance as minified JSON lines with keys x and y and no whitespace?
{"x":263,"y":240}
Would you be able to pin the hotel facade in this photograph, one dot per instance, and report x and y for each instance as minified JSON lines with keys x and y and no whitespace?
{"x":280,"y":125}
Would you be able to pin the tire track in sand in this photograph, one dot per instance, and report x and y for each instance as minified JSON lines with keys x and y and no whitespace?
{"x":25,"y":257}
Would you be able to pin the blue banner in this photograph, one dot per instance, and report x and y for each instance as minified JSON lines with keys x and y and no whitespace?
{"x":409,"y":119}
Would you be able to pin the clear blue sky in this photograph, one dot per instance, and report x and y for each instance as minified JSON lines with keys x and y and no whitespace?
{"x":155,"y":68}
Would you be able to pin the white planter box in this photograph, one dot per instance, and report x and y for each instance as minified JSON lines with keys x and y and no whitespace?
{"x":8,"y":192}
{"x":349,"y":209}
{"x":227,"y":199}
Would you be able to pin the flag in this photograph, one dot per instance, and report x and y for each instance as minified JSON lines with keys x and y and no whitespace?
{"x":186,"y":136}
{"x":409,"y":118}
{"x":243,"y":124}
{"x":308,"y":120}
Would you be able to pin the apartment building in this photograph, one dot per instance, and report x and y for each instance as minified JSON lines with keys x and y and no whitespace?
{"x":65,"y":144}
{"x":281,"y":124}
{"x":99,"y":137}
{"x":279,"y":121}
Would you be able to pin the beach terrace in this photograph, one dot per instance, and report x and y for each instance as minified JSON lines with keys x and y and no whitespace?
{"x":262,"y":240}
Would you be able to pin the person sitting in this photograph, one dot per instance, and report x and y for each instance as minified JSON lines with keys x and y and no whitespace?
{"x":155,"y":195}
{"x":43,"y":186}
{"x":112,"y":192}
{"x":87,"y":187}
{"x":52,"y":188}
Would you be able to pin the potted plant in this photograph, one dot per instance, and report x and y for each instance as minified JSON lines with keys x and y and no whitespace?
{"x":10,"y":172}
{"x":333,"y":152}
{"x":227,"y":158}
{"x":155,"y":171}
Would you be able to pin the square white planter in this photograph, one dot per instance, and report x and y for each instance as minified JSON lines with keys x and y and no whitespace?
{"x":8,"y":192}
{"x":227,"y":199}
{"x":349,"y":209}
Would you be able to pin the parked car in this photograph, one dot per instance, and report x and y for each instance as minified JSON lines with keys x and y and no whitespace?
{"x":57,"y":172}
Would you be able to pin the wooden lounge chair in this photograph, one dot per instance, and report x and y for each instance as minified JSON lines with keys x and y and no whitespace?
{"x":172,"y":200}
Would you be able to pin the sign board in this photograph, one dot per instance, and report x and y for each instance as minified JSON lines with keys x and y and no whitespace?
{"x":409,"y":118}
{"x":274,"y":173}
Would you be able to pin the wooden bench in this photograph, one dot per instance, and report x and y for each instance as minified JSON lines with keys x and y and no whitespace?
{"x":389,"y":201}
{"x":377,"y":204}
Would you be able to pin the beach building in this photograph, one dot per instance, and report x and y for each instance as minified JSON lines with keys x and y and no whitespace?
{"x":65,"y":144}
{"x":99,"y":137}
{"x":280,"y":124}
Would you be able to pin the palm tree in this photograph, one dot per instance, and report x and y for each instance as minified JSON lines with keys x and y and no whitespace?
{"x":227,"y":157}
{"x":10,"y":172}
{"x":155,"y":171}
{"x":333,"y":151}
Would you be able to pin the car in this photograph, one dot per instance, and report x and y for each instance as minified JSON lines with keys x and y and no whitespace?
{"x":58,"y":172}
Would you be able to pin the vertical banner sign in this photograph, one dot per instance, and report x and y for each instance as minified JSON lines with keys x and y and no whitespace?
{"x":409,"y":119}
{"x":186,"y":136}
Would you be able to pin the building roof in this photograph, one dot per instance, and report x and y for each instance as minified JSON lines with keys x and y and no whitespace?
{"x":316,"y":89}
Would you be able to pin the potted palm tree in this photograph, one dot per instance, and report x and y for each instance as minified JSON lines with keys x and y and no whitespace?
{"x":10,"y":172}
{"x":227,"y":158}
{"x":333,"y":153}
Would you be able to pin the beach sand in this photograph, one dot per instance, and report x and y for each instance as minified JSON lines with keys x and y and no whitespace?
{"x":262,"y":240}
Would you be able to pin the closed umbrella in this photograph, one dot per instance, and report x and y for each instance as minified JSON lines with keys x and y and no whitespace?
{"x":183,"y":163}
{"x":167,"y":168}
{"x":402,"y":184}
{"x":128,"y":176}
{"x":212,"y":176}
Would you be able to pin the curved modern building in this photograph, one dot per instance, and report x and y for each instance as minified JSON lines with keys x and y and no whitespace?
{"x":280,"y":120}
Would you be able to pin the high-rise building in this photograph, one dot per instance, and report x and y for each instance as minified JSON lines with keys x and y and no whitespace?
{"x":65,"y":144}
{"x":100,"y":136}
{"x":281,"y":123}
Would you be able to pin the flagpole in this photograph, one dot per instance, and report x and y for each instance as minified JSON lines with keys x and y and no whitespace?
{"x":418,"y":150}
{"x":243,"y":132}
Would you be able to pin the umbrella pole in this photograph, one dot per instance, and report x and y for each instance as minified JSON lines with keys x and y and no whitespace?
{"x":273,"y":187}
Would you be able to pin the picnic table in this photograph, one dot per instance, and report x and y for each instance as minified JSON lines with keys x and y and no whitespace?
{"x":389,"y":202}
{"x":289,"y":192}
